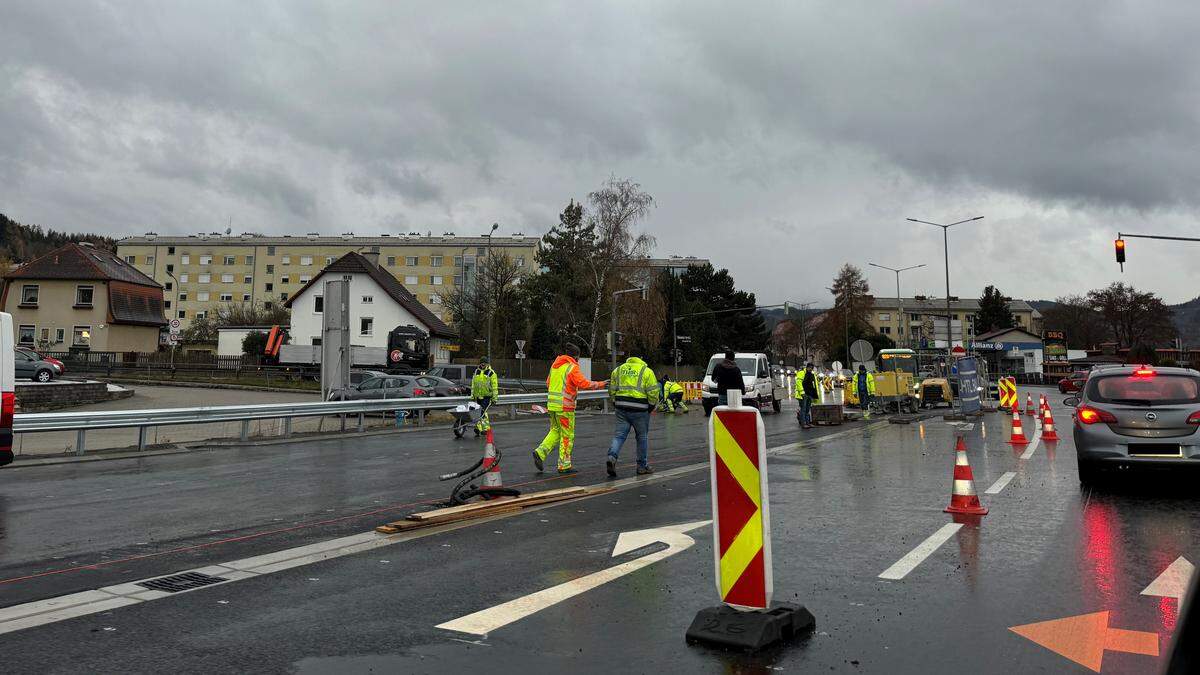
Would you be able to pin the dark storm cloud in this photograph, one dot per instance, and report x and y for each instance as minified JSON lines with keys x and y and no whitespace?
{"x":811,"y":125}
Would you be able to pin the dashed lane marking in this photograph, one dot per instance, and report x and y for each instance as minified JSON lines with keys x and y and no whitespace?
{"x":1001,"y":483}
{"x":918,"y":555}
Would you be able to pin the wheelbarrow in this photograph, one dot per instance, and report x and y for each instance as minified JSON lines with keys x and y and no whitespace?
{"x":465,"y":416}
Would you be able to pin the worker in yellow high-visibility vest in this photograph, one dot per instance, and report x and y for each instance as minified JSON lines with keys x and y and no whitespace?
{"x":562,"y":385}
{"x":485,"y":386}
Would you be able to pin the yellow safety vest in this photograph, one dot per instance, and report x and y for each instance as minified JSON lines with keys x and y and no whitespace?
{"x":557,"y":395}
{"x":484,"y":383}
{"x":630,"y":387}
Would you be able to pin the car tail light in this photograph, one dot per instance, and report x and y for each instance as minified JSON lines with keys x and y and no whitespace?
{"x":1144,"y":372}
{"x":419,"y":392}
{"x":7,"y":404}
{"x":1194,"y":418}
{"x":1090,"y":415}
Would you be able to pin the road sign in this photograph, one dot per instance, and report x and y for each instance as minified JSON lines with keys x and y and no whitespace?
{"x":958,"y":350}
{"x":837,"y":366}
{"x":173,"y":339}
{"x":520,"y":355}
{"x":861,"y":350}
{"x":520,"y":346}
{"x":174,"y":323}
{"x":173,"y":330}
{"x":684,"y":338}
{"x":741,"y":517}
{"x":487,"y":620}
{"x":395,"y":356}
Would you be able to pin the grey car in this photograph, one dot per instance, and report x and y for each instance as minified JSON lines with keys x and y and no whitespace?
{"x":30,"y":365}
{"x":1137,"y":417}
{"x":390,"y":386}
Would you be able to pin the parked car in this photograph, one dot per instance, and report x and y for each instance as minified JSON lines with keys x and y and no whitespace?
{"x":440,"y":386}
{"x":59,"y":366}
{"x":357,"y":377}
{"x":1137,"y":417}
{"x":456,"y":373}
{"x":29,"y":364}
{"x":1073,"y":382}
{"x":388,"y":386}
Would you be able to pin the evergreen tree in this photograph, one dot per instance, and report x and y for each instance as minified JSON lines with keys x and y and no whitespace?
{"x":993,"y":312}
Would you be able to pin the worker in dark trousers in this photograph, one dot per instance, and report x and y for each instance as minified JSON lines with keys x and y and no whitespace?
{"x":807,"y":393}
{"x":485,"y":387}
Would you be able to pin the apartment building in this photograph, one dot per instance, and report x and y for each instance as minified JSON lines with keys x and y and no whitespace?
{"x":203,"y":271}
{"x":912,"y":319}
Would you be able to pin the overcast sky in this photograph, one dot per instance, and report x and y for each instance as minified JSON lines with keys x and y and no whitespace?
{"x":779,"y":139}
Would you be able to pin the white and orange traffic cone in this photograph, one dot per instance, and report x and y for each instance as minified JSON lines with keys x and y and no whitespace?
{"x":1048,"y":433}
{"x":1043,"y":404}
{"x":1029,"y":404}
{"x":963,"y":498}
{"x":491,"y":479}
{"x":1018,"y":434}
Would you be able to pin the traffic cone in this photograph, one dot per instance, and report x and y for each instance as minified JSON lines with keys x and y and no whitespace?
{"x":1029,"y":404}
{"x":1048,"y":433}
{"x":963,"y":498}
{"x":1043,"y":404}
{"x":1018,"y":434}
{"x":491,"y":479}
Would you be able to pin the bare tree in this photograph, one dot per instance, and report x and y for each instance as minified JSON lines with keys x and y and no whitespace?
{"x":616,"y":208}
{"x":494,"y":292}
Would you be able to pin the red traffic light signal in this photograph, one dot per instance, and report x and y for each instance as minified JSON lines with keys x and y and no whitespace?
{"x":1120,"y":247}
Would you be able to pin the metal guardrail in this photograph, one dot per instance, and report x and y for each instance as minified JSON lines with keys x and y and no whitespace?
{"x":142,"y":420}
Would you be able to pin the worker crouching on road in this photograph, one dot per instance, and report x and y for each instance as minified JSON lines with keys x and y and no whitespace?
{"x":634,"y":391}
{"x":862,"y":385}
{"x":807,"y":392}
{"x":485,"y":386}
{"x":562,"y":386}
{"x":673,"y":396}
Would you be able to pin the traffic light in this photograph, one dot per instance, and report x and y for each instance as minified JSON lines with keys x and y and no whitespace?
{"x":1120,"y":247}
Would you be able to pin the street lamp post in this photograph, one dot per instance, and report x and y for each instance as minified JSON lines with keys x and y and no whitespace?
{"x":899,"y":300}
{"x":613,"y":349}
{"x":491,"y":308}
{"x":946,"y":255}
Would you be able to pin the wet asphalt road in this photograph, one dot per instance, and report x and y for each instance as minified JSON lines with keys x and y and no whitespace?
{"x":843,"y":509}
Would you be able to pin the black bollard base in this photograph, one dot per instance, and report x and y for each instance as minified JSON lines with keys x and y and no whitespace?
{"x":752,"y":631}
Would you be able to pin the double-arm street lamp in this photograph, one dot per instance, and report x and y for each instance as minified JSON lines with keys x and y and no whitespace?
{"x":899,"y":300}
{"x":491,"y":294}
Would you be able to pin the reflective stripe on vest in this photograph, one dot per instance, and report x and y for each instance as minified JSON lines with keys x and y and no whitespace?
{"x":557,"y":397}
{"x":629,"y":395}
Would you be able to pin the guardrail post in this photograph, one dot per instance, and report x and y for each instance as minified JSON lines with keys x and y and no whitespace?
{"x":420,"y":418}
{"x":79,"y":441}
{"x":142,"y":438}
{"x":245,"y":430}
{"x":361,"y":428}
{"x":512,"y":411}
{"x":287,"y":426}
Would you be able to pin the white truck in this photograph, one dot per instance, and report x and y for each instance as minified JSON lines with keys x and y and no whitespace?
{"x":8,"y":401}
{"x":762,"y":390}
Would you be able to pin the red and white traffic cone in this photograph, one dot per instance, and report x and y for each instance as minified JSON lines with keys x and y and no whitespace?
{"x":1018,"y":434}
{"x":1048,"y":433}
{"x":1029,"y":404}
{"x":963,"y":498}
{"x":1043,"y":404}
{"x":491,"y":479}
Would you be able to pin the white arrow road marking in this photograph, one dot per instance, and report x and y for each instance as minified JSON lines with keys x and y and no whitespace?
{"x":488,"y":620}
{"x":1173,"y":582}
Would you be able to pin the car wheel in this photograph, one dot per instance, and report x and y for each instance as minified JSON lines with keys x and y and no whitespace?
{"x":43,"y":376}
{"x":776,"y":405}
{"x":1089,"y":472}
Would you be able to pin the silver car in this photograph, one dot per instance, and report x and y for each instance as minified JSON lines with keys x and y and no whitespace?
{"x":1137,"y":417}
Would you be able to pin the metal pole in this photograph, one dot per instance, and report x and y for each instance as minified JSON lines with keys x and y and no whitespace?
{"x":949,"y":339}
{"x":899,"y":307}
{"x":675,"y":345}
{"x":613,"y":347}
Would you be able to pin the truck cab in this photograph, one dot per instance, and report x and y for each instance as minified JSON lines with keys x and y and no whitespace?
{"x":762,"y":390}
{"x":8,"y":400}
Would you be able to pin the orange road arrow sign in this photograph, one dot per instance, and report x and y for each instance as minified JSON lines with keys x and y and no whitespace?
{"x":1084,"y":638}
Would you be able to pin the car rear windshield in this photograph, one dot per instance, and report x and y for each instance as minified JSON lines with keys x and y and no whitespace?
{"x":747,"y":365}
{"x":1156,"y":389}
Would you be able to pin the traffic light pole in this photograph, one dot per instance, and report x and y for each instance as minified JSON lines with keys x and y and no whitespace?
{"x":1119,"y":244}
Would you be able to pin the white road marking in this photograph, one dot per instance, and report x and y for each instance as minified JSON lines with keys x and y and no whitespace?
{"x":493,"y":618}
{"x":1173,"y":582}
{"x":918,"y":555}
{"x":1000,"y":483}
{"x":1032,"y":447}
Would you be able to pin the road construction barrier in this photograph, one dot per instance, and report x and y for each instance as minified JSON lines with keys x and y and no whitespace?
{"x":692,"y":391}
{"x":963,"y":499}
{"x":1007,"y":387}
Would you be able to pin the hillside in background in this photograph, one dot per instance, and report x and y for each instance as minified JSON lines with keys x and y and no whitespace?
{"x":22,"y":243}
{"x":1187,"y":317}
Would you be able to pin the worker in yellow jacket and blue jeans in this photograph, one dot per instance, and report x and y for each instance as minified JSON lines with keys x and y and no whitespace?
{"x":634,"y":391}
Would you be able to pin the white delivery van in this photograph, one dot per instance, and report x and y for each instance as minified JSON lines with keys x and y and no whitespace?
{"x":761,"y":388}
{"x":8,"y":398}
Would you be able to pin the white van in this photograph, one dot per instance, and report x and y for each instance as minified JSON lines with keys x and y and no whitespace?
{"x":761,"y":389}
{"x":8,"y":399}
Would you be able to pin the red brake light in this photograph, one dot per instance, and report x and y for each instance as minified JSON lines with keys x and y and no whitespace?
{"x":1143,"y":372}
{"x":1090,"y":415}
{"x":418,"y":392}
{"x":8,"y":403}
{"x":1194,"y":418}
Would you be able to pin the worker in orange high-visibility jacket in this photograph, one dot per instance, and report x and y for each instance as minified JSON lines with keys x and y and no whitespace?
{"x":562,"y":385}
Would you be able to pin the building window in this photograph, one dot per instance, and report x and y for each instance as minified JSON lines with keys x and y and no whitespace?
{"x":458,"y":280}
{"x":149,"y":260}
{"x":206,"y":260}
{"x":520,"y":261}
{"x":286,"y":260}
{"x":410,"y":261}
{"x":83,"y":296}
{"x":167,"y":304}
{"x":182,"y":314}
{"x":202,"y":296}
{"x":270,"y":269}
{"x":131,"y":259}
{"x":249,"y":260}
{"x":185,"y":259}
{"x":368,"y":299}
{"x":437,"y":280}
{"x":227,"y":297}
{"x":328,"y":260}
{"x":270,"y":250}
{"x":885,"y":330}
{"x":231,"y":260}
{"x":270,"y":287}
{"x":205,"y":278}
{"x":885,"y":317}
{"x":60,"y":335}
{"x":170,"y":268}
{"x":914,"y":317}
{"x":203,"y":314}
{"x":285,"y":279}
{"x":81,"y":336}
{"x":29,"y":295}
{"x":227,"y":278}
{"x":25,"y":334}
{"x":247,"y":279}
{"x":170,"y":250}
{"x":481,"y":251}
{"x":318,"y":304}
{"x":306,"y":260}
{"x":268,"y":304}
{"x":391,"y":261}
{"x":458,"y":261}
{"x":304,"y":278}
{"x":411,"y":280}
{"x":435,"y":299}
{"x":183,"y":278}
{"x":435,"y":261}
{"x":899,"y":330}
{"x":283,"y":296}
{"x":168,"y":286}
{"x":366,"y":325}
{"x":183,"y":297}
{"x":245,"y":297}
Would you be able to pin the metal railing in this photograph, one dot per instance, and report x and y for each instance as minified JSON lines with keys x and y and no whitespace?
{"x":143,"y":420}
